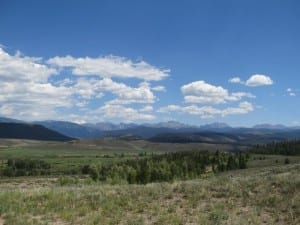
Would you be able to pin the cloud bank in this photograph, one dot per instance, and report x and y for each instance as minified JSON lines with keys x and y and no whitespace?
{"x":109,"y":88}
{"x":34,"y":89}
{"x":208,"y":111}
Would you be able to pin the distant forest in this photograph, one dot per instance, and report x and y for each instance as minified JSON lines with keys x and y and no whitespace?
{"x":279,"y":148}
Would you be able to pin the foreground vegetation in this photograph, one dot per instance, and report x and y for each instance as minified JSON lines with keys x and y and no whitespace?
{"x":268,"y":195}
{"x":215,"y":188}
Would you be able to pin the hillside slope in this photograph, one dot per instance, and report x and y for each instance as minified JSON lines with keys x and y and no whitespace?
{"x":30,"y":131}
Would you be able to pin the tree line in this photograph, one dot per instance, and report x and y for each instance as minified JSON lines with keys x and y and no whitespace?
{"x":166,"y":167}
{"x":25,"y":167}
{"x":141,"y":170}
{"x":291,"y":147}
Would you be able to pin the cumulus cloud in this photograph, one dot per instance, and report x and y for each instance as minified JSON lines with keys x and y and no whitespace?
{"x":208,"y":111}
{"x":202,"y":92}
{"x":253,"y":81}
{"x":126,"y":94}
{"x":32,"y":89}
{"x":235,"y":80}
{"x":25,"y":91}
{"x":120,"y":112}
{"x":87,"y":88}
{"x":109,"y":67}
{"x":147,"y":108}
{"x":259,"y":80}
{"x":243,"y":108}
{"x":159,"y":88}
{"x":22,"y":68}
{"x":35,"y":89}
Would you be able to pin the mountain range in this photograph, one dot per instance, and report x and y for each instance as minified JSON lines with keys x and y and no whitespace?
{"x":171,"y":131}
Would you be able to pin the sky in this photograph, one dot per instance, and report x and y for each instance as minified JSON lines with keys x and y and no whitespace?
{"x":195,"y":61}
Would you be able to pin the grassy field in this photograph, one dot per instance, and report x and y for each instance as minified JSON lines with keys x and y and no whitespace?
{"x":265,"y":193}
{"x":268,"y":192}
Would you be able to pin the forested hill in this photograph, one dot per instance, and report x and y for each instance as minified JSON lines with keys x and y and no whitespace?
{"x":30,"y":131}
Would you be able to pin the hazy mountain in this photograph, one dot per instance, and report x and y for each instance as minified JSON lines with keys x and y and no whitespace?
{"x":71,"y":129}
{"x":170,"y":130}
{"x":140,"y":131}
{"x":100,"y":126}
{"x":9,"y":120}
{"x":270,"y":126}
{"x":246,"y":136}
{"x":30,"y":131}
{"x":215,"y":126}
{"x":106,"y":126}
{"x":168,"y":124}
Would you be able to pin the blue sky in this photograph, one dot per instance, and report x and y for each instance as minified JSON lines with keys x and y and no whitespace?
{"x":149,"y":61}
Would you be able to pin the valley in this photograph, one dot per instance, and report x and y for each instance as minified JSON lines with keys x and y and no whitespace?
{"x":149,"y":112}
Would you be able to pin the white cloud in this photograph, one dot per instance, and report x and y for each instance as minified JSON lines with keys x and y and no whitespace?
{"x":203,"y":112}
{"x":25,"y":91}
{"x":236,"y":80}
{"x":291,"y":92}
{"x":33,"y":90}
{"x":86,"y":88}
{"x":208,"y":111}
{"x":120,"y":112}
{"x":126,"y":94}
{"x":259,"y":80}
{"x":202,"y":92}
{"x":109,"y":67}
{"x":6,"y":110}
{"x":28,"y":93}
{"x":147,"y":108}
{"x":243,"y":108}
{"x":159,"y":88}
{"x":236,"y":96}
{"x":24,"y":69}
{"x":254,"y":81}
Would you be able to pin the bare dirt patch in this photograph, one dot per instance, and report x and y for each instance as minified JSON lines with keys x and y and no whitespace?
{"x":1,"y":221}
